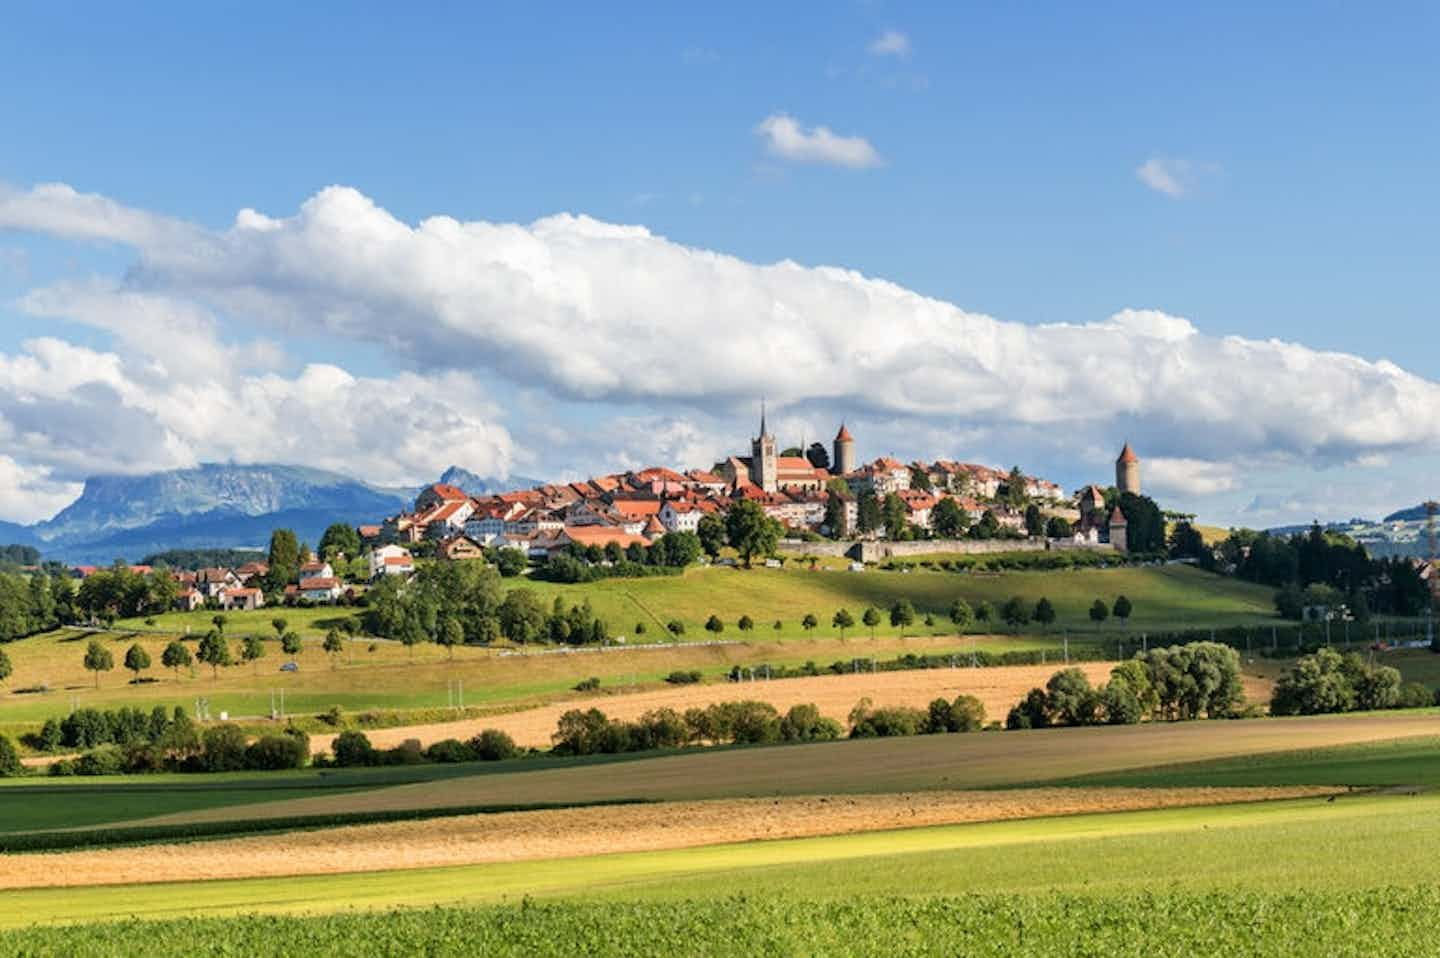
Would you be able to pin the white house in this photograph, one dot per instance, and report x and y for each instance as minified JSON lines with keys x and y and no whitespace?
{"x":390,"y":560}
{"x":321,"y":589}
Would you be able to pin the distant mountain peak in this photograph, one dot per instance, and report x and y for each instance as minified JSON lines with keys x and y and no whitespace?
{"x":477,"y":485}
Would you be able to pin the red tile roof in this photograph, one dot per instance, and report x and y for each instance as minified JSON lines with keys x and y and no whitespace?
{"x":843,"y":435}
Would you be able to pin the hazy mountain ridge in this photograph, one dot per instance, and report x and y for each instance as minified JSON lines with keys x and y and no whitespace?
{"x":217,"y":505}
{"x":1401,"y":533}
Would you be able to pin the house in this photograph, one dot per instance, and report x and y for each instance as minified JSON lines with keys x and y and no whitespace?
{"x":653,"y":529}
{"x":917,"y":506}
{"x":211,"y":582}
{"x":320,"y":589}
{"x":683,"y":516}
{"x":438,"y":495}
{"x":599,"y":536}
{"x":189,"y":599}
{"x":242,"y":599}
{"x":390,"y":560}
{"x":317,"y":569}
{"x":446,"y":519}
{"x":461,"y":548}
{"x":252,"y":570}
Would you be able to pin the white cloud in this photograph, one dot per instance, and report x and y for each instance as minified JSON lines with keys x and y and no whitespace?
{"x":891,"y":43}
{"x":1172,"y":177}
{"x":578,"y":311}
{"x":30,"y":491}
{"x":785,"y":138}
{"x":1190,"y":477}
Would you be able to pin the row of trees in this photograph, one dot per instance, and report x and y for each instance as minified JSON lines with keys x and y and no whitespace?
{"x":1176,"y":683}
{"x":590,"y":731}
{"x":33,"y":604}
{"x":1330,"y":682}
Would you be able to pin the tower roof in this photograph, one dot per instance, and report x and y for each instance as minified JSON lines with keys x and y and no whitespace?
{"x":843,"y":435}
{"x":1117,"y":518}
{"x":1127,"y":454}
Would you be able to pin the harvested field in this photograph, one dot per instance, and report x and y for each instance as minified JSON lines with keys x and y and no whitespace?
{"x":835,"y":695}
{"x":565,"y":833}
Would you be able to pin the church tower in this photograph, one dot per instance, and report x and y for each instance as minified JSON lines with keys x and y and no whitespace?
{"x":844,"y":459}
{"x":1127,"y":471}
{"x":764,"y":465}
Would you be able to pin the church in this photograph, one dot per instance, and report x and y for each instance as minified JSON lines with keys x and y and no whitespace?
{"x":772,"y":472}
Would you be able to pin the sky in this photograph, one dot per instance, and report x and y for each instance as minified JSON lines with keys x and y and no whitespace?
{"x":579,"y":239}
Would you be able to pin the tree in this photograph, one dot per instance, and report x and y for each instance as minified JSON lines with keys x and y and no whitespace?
{"x":521,"y":616}
{"x":214,"y":651}
{"x":1122,"y":610}
{"x":675,"y":627}
{"x":984,"y":611}
{"x":960,"y":614}
{"x":867,"y":512}
{"x":1045,"y":612}
{"x":252,"y":650}
{"x":750,"y":531}
{"x":218,"y":620}
{"x":1186,"y":542}
{"x":871,"y":618}
{"x":902,"y":615}
{"x":818,"y":456}
{"x":176,"y":657}
{"x":1015,"y":612}
{"x":10,"y":765}
{"x":290,"y":643}
{"x":1144,"y":523}
{"x":450,"y":634}
{"x":988,"y":527}
{"x":1058,"y":527}
{"x":279,"y":624}
{"x":711,"y":530}
{"x":948,"y":520}
{"x":137,"y":660}
{"x":809,"y":621}
{"x":339,"y":539}
{"x":1013,"y":494}
{"x":836,"y":522}
{"x":842,"y":620}
{"x":1033,"y":711}
{"x":98,"y":659}
{"x":714,"y":625}
{"x":6,"y":669}
{"x":334,"y":646}
{"x":1034,"y":521}
{"x":283,"y":559}
{"x":1099,"y":611}
{"x":1071,"y":699}
{"x":745,"y":624}
{"x":511,"y":562}
{"x":896,"y":516}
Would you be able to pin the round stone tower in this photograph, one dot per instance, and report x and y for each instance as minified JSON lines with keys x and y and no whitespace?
{"x":844,"y":459}
{"x":1127,"y":471}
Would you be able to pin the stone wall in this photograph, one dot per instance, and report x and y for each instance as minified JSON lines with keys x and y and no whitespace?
{"x":878,"y":551}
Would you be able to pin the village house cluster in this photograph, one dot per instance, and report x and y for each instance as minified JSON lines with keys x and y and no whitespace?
{"x":637,"y":507}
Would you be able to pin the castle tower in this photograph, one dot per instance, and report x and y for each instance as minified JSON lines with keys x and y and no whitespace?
{"x":764,"y":465}
{"x":1119,"y":530}
{"x":1127,"y":471}
{"x":844,"y":459}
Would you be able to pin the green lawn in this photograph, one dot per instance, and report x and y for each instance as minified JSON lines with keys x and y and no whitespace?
{"x":1351,"y":845}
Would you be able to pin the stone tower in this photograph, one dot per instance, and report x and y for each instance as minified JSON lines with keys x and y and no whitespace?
{"x":764,"y":467}
{"x":1119,"y":531}
{"x":844,"y":459}
{"x":1127,"y":471}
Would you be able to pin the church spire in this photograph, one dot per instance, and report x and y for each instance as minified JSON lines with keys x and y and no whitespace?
{"x":763,"y":433}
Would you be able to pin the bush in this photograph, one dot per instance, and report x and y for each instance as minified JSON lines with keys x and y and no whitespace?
{"x":888,"y":721}
{"x":334,"y":716}
{"x":493,"y":745}
{"x":50,"y":736}
{"x":1033,"y":711}
{"x":660,"y":728}
{"x":105,"y":760}
{"x":588,"y":685}
{"x":276,"y":752}
{"x":9,"y":758}
{"x":222,"y":748}
{"x":1415,"y":695}
{"x":450,"y":751}
{"x":353,"y":748}
{"x":965,"y":714}
{"x":683,"y":678}
{"x":804,"y":723}
{"x":140,"y":759}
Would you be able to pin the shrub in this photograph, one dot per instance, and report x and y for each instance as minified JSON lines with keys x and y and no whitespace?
{"x":804,"y":723}
{"x":1031,"y":712}
{"x":965,"y":714}
{"x":105,"y":760}
{"x":9,"y":758}
{"x":493,"y":745}
{"x":353,"y":748}
{"x":275,"y":752}
{"x":450,"y":751}
{"x":140,"y":759}
{"x":222,"y":748}
{"x":887,"y":721}
{"x":659,"y":728}
{"x":334,"y":716}
{"x":1414,"y":695}
{"x":588,"y":685}
{"x":683,"y":678}
{"x":50,"y":736}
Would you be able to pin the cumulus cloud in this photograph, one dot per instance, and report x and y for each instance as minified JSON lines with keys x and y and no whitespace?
{"x":1191,"y":477}
{"x":30,"y":491}
{"x":785,"y":138}
{"x":891,"y":43}
{"x":581,"y":311}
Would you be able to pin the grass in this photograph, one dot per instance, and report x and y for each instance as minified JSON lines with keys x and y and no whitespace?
{"x":1240,"y":848}
{"x":983,"y":760}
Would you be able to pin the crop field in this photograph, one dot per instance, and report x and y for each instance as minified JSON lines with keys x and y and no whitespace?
{"x":1247,"y":848}
{"x":934,"y":762}
{"x":1263,"y":923}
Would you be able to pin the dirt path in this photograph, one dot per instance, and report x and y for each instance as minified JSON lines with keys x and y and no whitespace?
{"x":835,"y":695}
{"x":566,"y":833}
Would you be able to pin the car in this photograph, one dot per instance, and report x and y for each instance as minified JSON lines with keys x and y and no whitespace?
{"x":290,"y":667}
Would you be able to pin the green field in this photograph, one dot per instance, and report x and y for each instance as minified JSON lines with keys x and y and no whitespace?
{"x":1290,"y":845}
{"x":384,"y":675}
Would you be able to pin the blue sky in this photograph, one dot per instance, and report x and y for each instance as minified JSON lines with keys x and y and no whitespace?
{"x":1261,"y":173}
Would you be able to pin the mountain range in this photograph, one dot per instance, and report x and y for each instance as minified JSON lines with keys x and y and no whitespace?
{"x":1401,"y":533}
{"x":216,"y":505}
